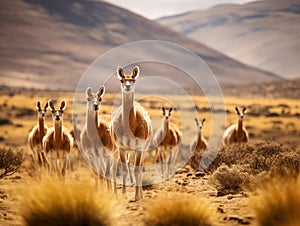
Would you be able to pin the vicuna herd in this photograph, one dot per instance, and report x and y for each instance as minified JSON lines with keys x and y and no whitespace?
{"x":107,"y":140}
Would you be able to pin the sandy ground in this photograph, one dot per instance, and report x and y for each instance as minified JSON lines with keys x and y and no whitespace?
{"x":228,"y":210}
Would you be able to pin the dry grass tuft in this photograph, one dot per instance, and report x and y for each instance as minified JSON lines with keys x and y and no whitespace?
{"x":148,"y":182}
{"x":179,"y":211}
{"x":278,"y":203}
{"x":269,"y":157}
{"x":230,"y":180}
{"x":51,"y":202}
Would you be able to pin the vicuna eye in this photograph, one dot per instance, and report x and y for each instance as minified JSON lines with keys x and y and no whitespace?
{"x":122,"y":81}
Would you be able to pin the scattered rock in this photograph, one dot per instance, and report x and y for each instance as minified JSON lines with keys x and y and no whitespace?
{"x":199,"y":174}
{"x":220,"y":210}
{"x":183,"y":170}
{"x":189,"y":175}
{"x":239,"y":220}
{"x":3,"y":196}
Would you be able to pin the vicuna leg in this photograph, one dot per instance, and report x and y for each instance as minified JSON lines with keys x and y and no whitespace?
{"x":169,"y":164}
{"x":138,"y":175}
{"x":64,"y":166}
{"x":46,"y":163}
{"x":128,"y":166}
{"x":114,"y":172}
{"x":124,"y":169}
{"x":108,"y":163}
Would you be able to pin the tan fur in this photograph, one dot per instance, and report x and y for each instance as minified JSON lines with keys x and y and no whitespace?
{"x":35,"y":138}
{"x":167,"y":140}
{"x":236,"y":133}
{"x":198,"y":146}
{"x":131,"y":129}
{"x":96,"y":139}
{"x":58,"y":142}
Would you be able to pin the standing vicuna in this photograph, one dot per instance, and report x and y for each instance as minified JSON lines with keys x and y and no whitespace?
{"x":167,"y":140}
{"x":198,"y":145}
{"x":96,"y":140}
{"x":131,"y":129}
{"x":236,"y":133}
{"x":35,"y":138}
{"x":58,"y":142}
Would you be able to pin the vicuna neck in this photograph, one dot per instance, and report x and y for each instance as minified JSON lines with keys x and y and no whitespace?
{"x":199,"y":134}
{"x":92,"y":122}
{"x":240,"y":125}
{"x":166,"y":125}
{"x":58,"y":135}
{"x":128,"y":106}
{"x":41,"y":126}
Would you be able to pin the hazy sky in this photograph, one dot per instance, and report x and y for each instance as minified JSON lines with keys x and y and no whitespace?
{"x":154,"y":9}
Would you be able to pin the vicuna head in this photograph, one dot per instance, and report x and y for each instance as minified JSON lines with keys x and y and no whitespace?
{"x":94,"y":100}
{"x":240,"y":114}
{"x":57,"y":114}
{"x":200,"y":124}
{"x":127,"y":81}
{"x":166,"y":113}
{"x":41,"y":111}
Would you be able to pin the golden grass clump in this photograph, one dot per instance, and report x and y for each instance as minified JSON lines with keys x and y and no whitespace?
{"x":179,"y":211}
{"x":278,"y":203}
{"x":51,"y":202}
{"x":261,"y":156}
{"x":230,"y":180}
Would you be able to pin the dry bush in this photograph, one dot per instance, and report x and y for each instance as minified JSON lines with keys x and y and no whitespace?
{"x":230,"y":180}
{"x":10,"y":161}
{"x":148,"y":181}
{"x":51,"y":202}
{"x":261,"y":157}
{"x":278,"y":203}
{"x":178,"y":211}
{"x":195,"y":159}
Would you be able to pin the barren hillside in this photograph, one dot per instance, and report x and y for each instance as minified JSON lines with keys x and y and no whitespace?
{"x":49,"y":44}
{"x":263,"y":34}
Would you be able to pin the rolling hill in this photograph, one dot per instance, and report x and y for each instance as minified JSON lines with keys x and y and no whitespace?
{"x":49,"y":44}
{"x":264,"y":34}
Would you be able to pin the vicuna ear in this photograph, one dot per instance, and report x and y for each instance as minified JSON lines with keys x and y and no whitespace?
{"x":196,"y":121}
{"x":101,"y":91}
{"x":38,"y":106}
{"x":244,"y":110}
{"x":135,"y":72}
{"x":120,"y":73}
{"x":46,"y":106}
{"x":163,"y":110}
{"x":89,"y":92}
{"x":203,"y":121}
{"x":52,"y":108}
{"x":170,"y":110}
{"x":237,"y":110}
{"x":63,"y":105}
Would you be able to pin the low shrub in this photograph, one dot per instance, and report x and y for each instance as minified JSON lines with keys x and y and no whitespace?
{"x":178,"y":211}
{"x":52,"y":202}
{"x":261,"y":157}
{"x":10,"y":161}
{"x":230,"y":180}
{"x":277,"y":203}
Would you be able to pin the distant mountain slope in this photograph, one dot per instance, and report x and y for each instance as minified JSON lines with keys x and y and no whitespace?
{"x":49,"y":44}
{"x":264,"y":34}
